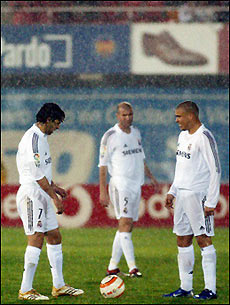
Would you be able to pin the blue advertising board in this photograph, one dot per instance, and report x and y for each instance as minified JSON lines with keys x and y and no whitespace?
{"x":65,"y":49}
{"x":90,"y":112}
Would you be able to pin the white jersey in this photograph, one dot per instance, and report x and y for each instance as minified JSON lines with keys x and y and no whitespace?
{"x":124,"y":155}
{"x":33,"y":157}
{"x":198,"y":165}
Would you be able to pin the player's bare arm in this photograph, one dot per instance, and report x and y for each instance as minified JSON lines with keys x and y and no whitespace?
{"x":151,"y":177}
{"x":169,"y":201}
{"x":44,"y":184}
{"x":104,"y":196}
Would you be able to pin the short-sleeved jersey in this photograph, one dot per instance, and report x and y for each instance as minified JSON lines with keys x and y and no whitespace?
{"x":33,"y":157}
{"x":124,"y":156}
{"x":197,"y":165}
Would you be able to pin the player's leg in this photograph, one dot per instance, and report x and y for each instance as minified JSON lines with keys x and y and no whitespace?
{"x":203,"y":228}
{"x":185,"y":257}
{"x":31,"y":260}
{"x":116,"y":248}
{"x":125,"y":232}
{"x":29,"y":209}
{"x":116,"y":255}
{"x":129,"y":206}
{"x":55,"y":255}
{"x":186,"y":261}
{"x":208,"y":253}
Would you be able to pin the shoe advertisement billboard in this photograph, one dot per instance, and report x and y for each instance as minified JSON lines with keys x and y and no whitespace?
{"x":179,"y":48}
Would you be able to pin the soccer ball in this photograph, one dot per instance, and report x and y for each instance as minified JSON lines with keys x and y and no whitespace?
{"x":112,"y":286}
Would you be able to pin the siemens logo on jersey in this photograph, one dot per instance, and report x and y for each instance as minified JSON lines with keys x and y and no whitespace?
{"x":47,"y":161}
{"x":132,"y":151}
{"x":183,"y":154}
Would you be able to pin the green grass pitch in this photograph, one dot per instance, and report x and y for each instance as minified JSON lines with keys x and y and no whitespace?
{"x":86,"y":256}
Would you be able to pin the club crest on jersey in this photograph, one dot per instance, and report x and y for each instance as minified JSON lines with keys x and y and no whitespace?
{"x":103,"y":150}
{"x":39,"y":224}
{"x":37,"y":159}
{"x":125,"y":210}
{"x":190,"y":146}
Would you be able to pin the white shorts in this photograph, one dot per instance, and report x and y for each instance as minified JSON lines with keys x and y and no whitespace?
{"x":189,"y":216}
{"x":35,"y":210}
{"x":126,"y":203}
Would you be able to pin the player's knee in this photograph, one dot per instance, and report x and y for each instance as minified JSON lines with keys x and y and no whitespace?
{"x":184,"y":241}
{"x":203,"y":241}
{"x":54,"y":237}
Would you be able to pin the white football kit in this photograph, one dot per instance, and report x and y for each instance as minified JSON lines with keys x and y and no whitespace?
{"x":33,"y":163}
{"x":124,"y":156}
{"x":196,"y":182}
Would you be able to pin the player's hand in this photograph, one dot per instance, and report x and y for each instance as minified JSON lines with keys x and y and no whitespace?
{"x":169,"y":201}
{"x":104,"y":200}
{"x":60,"y":191}
{"x":208,"y":211}
{"x":59,"y":205}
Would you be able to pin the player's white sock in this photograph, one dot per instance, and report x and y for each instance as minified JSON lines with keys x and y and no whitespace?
{"x":209,"y":267}
{"x":185,"y":263}
{"x":31,"y":259}
{"x":116,"y":252}
{"x":55,"y":257}
{"x":128,"y":249}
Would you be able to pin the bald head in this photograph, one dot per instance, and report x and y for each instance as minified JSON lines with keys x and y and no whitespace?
{"x":124,"y":105}
{"x":190,"y":107}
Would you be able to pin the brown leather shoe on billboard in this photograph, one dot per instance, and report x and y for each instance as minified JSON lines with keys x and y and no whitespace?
{"x":168,"y":50}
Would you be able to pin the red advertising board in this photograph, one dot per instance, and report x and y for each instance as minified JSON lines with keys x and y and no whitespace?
{"x":82,"y":208}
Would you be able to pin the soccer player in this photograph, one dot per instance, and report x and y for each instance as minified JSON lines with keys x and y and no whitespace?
{"x":122,"y":155}
{"x":34,"y":203}
{"x":196,"y":191}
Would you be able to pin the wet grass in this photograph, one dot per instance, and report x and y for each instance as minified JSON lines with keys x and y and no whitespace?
{"x":86,"y":256}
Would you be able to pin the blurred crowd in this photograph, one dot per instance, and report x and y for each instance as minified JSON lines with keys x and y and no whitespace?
{"x":181,"y":11}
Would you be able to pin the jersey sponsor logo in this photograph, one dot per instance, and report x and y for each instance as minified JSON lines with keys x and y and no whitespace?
{"x":183,"y":154}
{"x":37,"y":160}
{"x":47,"y":161}
{"x":132,"y":151}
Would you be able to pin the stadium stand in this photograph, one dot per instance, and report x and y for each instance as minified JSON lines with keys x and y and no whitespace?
{"x":70,"y":12}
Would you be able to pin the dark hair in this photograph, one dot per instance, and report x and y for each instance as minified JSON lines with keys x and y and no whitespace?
{"x":52,"y":111}
{"x":189,"y":106}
